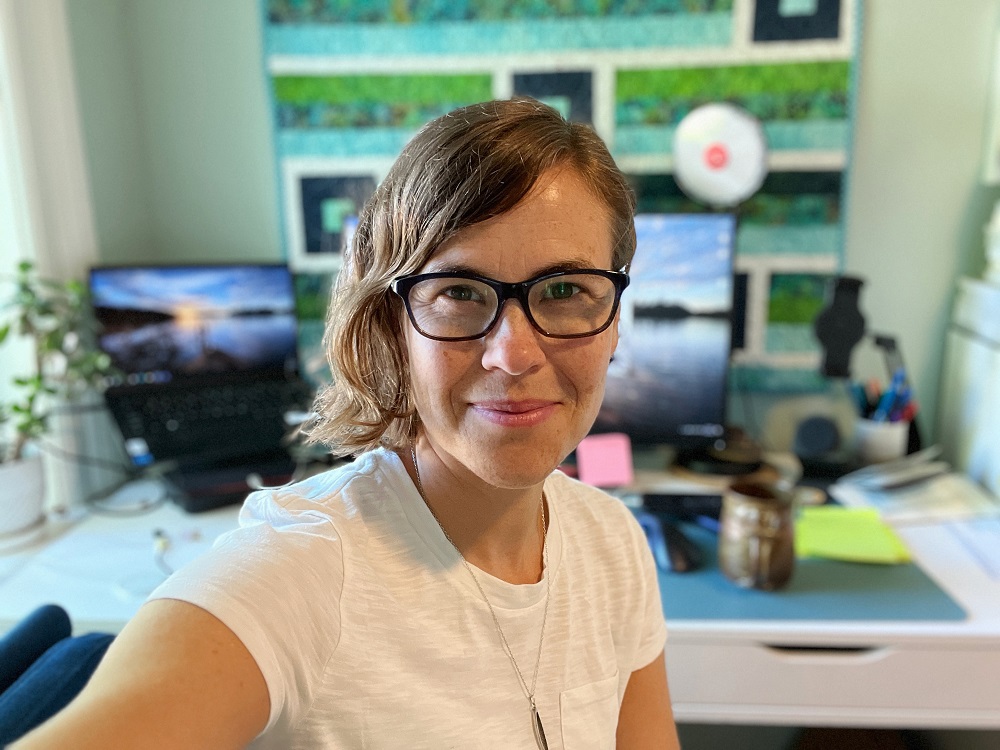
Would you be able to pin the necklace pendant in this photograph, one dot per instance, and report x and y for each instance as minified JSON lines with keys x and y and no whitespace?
{"x":536,"y":724}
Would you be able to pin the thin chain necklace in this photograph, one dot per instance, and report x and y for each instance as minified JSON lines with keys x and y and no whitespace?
{"x":536,"y":720}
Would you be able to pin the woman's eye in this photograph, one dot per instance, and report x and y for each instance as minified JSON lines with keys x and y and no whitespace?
{"x":561,"y":290}
{"x":461,"y":293}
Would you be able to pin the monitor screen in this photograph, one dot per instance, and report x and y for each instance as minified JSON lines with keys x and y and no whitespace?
{"x":166,"y":323}
{"x":668,"y":381}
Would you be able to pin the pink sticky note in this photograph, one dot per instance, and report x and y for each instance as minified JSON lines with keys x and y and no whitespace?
{"x":605,"y":460}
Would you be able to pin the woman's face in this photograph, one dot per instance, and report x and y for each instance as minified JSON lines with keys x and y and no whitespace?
{"x":510,"y":406}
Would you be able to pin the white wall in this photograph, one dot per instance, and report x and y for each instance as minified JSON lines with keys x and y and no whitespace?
{"x":104,"y":54}
{"x":916,"y":208}
{"x":177,"y":126}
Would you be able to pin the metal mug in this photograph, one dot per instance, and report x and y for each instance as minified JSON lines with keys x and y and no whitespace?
{"x":757,"y":536}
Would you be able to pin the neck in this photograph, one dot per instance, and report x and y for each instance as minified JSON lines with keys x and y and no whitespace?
{"x":498,"y":530}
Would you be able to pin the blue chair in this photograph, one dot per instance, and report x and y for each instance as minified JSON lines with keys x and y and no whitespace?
{"x":42,"y":668}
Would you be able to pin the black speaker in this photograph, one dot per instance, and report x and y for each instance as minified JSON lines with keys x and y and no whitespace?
{"x":820,"y":450}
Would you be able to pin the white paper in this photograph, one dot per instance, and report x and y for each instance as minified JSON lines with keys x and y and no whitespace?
{"x":948,"y":497}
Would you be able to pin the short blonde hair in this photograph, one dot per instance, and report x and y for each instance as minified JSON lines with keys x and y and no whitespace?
{"x":465,"y":167}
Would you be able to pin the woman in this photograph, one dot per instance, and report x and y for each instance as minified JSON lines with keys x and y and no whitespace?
{"x":448,"y":588}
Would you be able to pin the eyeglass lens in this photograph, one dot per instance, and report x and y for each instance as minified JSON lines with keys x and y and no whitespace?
{"x":570,"y":304}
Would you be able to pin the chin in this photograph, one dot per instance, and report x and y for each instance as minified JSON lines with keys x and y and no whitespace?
{"x":517,"y":466}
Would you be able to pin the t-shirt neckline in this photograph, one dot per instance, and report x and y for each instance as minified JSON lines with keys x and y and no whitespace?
{"x":502,"y":595}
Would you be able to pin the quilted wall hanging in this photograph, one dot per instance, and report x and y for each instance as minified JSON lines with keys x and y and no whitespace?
{"x":352,"y":80}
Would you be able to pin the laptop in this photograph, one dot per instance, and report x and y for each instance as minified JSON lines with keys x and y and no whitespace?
{"x":207,"y":370}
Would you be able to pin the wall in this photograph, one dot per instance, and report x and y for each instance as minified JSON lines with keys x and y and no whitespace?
{"x":117,"y":156}
{"x":177,"y":129}
{"x":916,"y":208}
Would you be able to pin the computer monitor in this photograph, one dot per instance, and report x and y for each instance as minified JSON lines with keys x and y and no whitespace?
{"x":667,"y":384}
{"x":163,"y":324}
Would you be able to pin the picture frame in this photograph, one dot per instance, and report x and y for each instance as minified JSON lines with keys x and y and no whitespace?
{"x":322,"y":199}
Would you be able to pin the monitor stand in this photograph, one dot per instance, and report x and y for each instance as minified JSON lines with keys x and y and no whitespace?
{"x":734,"y":454}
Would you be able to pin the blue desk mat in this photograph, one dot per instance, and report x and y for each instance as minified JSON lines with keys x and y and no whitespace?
{"x":819,"y":590}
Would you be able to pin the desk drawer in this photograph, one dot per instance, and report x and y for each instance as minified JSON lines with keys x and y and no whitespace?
{"x":880,"y":686}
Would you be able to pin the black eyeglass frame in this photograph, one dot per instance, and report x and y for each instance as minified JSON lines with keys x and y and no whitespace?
{"x":402,"y":285}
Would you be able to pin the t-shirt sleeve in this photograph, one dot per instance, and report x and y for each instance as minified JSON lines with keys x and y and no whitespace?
{"x":276,"y":582}
{"x":653,"y":636}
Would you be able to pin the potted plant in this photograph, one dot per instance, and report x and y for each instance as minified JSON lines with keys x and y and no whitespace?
{"x":52,"y":319}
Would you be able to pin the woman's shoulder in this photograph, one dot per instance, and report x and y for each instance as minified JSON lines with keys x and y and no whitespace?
{"x":335,"y":497}
{"x":588,"y":508}
{"x":601,"y":538}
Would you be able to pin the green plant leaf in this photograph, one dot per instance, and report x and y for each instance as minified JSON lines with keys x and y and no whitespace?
{"x":56,"y":318}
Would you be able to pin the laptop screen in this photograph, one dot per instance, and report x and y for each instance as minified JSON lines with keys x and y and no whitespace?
{"x":163,"y":324}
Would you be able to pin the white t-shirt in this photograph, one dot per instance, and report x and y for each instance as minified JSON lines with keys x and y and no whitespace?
{"x":370,"y":633}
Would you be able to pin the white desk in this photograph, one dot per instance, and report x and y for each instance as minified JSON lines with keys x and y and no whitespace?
{"x":913,"y":674}
{"x":101,"y":568}
{"x":918,"y":674}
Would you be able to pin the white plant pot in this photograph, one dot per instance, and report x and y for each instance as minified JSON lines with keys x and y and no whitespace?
{"x":82,"y":427}
{"x":22,"y":495}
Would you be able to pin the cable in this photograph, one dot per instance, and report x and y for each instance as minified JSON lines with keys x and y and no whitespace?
{"x":79,"y":408}
{"x":96,"y":501}
{"x":161,"y":544}
{"x":61,"y":453}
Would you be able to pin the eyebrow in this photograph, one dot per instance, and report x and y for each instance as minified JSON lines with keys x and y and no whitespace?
{"x":561,"y":266}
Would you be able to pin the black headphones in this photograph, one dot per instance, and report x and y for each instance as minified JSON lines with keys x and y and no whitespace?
{"x":840,"y":326}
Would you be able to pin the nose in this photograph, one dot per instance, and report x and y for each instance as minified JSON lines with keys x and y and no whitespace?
{"x":513,"y":344}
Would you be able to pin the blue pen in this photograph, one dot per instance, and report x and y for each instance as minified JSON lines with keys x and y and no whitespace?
{"x":881,"y":413}
{"x":860,"y":397}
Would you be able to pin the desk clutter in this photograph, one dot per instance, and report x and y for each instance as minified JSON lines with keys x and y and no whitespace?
{"x":849,"y":565}
{"x":915,"y":489}
{"x":904,"y":498}
{"x":892,"y":403}
{"x":764,"y":528}
{"x":821,"y":589}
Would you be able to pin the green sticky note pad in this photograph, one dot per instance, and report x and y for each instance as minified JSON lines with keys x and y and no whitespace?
{"x":852,"y":534}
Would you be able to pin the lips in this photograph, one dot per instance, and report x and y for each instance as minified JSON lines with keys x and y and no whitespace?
{"x":520,"y":413}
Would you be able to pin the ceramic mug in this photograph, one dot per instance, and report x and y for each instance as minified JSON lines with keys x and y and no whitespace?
{"x":757,"y":536}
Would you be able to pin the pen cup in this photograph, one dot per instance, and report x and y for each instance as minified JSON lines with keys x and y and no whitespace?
{"x":876,"y":442}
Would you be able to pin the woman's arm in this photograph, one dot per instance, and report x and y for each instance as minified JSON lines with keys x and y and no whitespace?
{"x":646,"y":720}
{"x":175,"y":677}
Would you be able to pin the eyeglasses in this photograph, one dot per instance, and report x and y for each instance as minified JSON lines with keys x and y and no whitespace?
{"x":451,"y":306}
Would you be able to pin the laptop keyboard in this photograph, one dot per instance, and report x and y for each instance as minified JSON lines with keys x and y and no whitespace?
{"x":230,"y":418}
